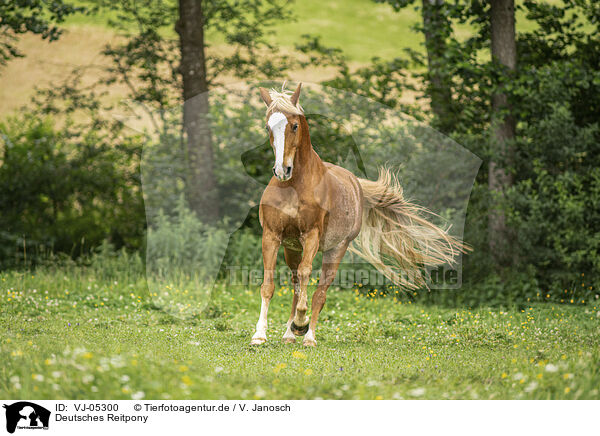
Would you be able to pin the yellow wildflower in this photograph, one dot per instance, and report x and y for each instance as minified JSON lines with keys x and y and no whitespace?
{"x":299,"y":355}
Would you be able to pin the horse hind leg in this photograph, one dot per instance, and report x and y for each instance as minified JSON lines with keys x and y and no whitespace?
{"x":331,"y":262}
{"x":292,"y":258}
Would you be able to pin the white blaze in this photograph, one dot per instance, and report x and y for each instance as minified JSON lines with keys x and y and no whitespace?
{"x":277,"y":123}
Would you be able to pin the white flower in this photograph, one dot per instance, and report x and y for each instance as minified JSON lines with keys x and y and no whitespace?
{"x":79,"y":350}
{"x":218,"y":369}
{"x":531,"y":387}
{"x":125,"y":378}
{"x":417,"y":392}
{"x":88,"y":378}
{"x":551,"y":368}
{"x":138,"y":395}
{"x":117,"y":361}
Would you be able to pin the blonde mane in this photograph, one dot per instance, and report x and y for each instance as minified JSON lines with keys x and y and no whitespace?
{"x":281,"y":102}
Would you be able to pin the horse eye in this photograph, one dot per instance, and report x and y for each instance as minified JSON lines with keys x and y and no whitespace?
{"x":295,"y":127}
{"x":267,"y":129}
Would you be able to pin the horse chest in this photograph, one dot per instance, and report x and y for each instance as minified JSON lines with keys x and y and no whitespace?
{"x":299,"y":217}
{"x":333,"y":205}
{"x":290,"y":217}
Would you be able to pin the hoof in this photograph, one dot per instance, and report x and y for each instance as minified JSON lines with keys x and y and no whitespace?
{"x":309,"y":343}
{"x":298,"y":331}
{"x":288,"y":340}
{"x":258,"y":341}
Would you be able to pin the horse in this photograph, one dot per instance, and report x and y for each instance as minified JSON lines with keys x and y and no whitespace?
{"x":310,"y":205}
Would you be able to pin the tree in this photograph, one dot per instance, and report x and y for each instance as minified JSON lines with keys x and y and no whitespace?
{"x":155,"y":71}
{"x":201,"y":186}
{"x":436,"y":28}
{"x":537,"y":193}
{"x":30,"y":16}
{"x":504,"y":52}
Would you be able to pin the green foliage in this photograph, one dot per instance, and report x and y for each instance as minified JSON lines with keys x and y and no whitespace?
{"x":65,"y":190}
{"x":554,"y":95}
{"x":183,"y":242}
{"x":179,"y":241}
{"x":553,"y":205}
{"x":555,"y":209}
{"x":381,"y":81}
{"x":30,"y":16}
{"x":82,"y":181}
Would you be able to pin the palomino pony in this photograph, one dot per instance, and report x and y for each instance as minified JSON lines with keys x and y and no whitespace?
{"x":311,"y":205}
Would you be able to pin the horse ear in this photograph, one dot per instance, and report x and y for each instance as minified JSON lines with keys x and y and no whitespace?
{"x":265,"y":96}
{"x":296,"y":95}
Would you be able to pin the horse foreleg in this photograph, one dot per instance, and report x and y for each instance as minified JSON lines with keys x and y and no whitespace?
{"x":292,"y":258}
{"x":331,"y":262}
{"x":270,"y":245}
{"x":310,"y":245}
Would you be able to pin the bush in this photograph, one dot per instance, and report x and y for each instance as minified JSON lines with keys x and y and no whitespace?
{"x":181,"y":244}
{"x":65,"y":192}
{"x":555,"y":202}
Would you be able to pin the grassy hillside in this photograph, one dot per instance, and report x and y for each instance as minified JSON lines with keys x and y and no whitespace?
{"x":361,"y":28}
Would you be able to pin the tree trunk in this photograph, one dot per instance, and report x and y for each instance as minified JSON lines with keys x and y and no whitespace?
{"x":435,"y":28}
{"x":201,"y":185}
{"x":504,"y":51}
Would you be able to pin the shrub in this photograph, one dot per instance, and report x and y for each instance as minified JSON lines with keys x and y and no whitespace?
{"x":65,"y":192}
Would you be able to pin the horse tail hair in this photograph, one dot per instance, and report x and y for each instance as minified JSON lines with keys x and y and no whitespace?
{"x":396,"y":236}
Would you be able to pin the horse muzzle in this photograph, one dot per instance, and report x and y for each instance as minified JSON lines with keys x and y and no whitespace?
{"x":283,"y":173}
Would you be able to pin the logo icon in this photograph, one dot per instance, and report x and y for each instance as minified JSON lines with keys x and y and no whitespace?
{"x":26,"y":415}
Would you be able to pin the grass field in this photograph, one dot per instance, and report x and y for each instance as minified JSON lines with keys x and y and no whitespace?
{"x":361,"y":28}
{"x":79,"y":333}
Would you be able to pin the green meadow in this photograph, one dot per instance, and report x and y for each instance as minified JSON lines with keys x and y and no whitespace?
{"x":78,"y":332}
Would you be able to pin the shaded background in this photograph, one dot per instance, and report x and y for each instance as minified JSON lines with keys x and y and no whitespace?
{"x":524,"y":98}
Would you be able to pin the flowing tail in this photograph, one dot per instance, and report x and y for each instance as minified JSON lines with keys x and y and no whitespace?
{"x":395,"y":236}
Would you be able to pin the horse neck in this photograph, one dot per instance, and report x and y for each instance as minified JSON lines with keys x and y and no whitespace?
{"x":308,"y":166}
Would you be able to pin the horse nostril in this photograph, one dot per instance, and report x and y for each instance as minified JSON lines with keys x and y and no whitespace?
{"x":288,"y":171}
{"x":274,"y":172}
